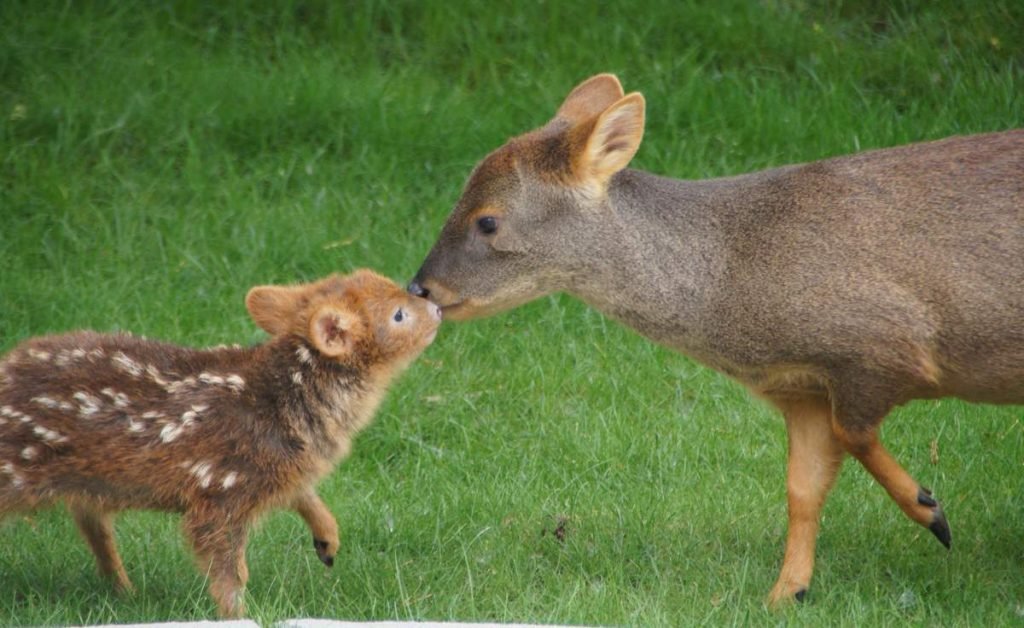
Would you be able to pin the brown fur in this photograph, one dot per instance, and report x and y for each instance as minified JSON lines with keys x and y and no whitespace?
{"x":836,"y":290}
{"x":109,"y":422}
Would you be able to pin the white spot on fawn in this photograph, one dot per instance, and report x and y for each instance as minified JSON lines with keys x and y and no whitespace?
{"x":127,"y":364}
{"x":16,"y":480}
{"x":201,"y":470}
{"x":180,"y":385}
{"x":209,"y":378}
{"x":120,"y":399}
{"x":11,"y":413}
{"x":49,"y":435}
{"x":304,"y":355}
{"x":28,"y":453}
{"x":135,"y":426}
{"x":297,"y":378}
{"x":234,"y":382}
{"x":170,"y":432}
{"x":229,"y":480}
{"x":48,"y":402}
{"x":152,"y":414}
{"x":36,"y":354}
{"x":88,"y":405}
{"x":155,"y":375}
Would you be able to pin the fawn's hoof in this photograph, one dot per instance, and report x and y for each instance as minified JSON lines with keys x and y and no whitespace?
{"x":784,"y":595}
{"x":321,"y":552}
{"x":939,"y":525}
{"x":123,"y":586}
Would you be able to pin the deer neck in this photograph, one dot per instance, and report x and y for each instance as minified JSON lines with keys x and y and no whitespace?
{"x":658,"y":255}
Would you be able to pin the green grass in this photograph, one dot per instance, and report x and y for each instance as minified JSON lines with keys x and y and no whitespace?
{"x":158,"y":159}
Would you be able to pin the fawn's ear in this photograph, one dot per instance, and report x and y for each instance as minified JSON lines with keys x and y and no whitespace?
{"x":274,"y":308}
{"x":588,"y":99}
{"x":613,"y":141}
{"x":333,"y":331}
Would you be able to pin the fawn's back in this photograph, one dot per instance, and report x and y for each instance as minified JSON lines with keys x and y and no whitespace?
{"x":93,"y":415}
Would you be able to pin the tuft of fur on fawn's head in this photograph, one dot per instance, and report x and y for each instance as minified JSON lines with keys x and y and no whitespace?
{"x":508,"y":239}
{"x":361,"y":318}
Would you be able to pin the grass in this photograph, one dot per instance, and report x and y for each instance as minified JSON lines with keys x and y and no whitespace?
{"x":158,"y":159}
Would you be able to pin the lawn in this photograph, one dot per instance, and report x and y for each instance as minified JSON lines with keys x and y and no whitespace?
{"x":545,"y":465}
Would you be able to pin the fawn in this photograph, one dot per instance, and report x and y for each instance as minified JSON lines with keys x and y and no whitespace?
{"x":106,"y":422}
{"x":836,"y":290}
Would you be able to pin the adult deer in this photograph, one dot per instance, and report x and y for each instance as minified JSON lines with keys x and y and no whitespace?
{"x":836,"y":290}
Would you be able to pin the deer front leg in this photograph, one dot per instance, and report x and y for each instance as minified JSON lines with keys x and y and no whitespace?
{"x":321,"y":523}
{"x":219,"y":544}
{"x":815,"y":456}
{"x":97,"y":527}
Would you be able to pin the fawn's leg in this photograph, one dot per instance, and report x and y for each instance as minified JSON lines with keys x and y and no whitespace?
{"x":219,"y":543}
{"x":321,"y":522}
{"x":855,"y":422}
{"x":815,"y":456}
{"x":97,"y":526}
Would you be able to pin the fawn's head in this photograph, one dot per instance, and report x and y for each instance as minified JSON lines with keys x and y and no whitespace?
{"x":515,"y":234}
{"x":362,"y":318}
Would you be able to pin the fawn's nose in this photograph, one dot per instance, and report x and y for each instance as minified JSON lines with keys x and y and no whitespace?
{"x":417,"y":290}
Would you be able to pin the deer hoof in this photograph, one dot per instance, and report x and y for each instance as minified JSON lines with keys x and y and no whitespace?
{"x":940,"y":528}
{"x":939,"y":525}
{"x":321,"y":552}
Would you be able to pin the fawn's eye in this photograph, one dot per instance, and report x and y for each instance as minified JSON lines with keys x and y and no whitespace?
{"x":487,"y":224}
{"x":399,"y":315}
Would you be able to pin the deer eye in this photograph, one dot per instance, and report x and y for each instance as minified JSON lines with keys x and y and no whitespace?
{"x":487,"y":224}
{"x":399,"y":315}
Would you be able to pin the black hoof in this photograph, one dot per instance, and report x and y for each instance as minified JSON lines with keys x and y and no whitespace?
{"x":321,"y":552}
{"x":939,"y":525}
{"x":940,"y":528}
{"x":800,"y":595}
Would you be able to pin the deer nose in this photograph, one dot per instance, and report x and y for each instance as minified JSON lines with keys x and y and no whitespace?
{"x":417,"y":290}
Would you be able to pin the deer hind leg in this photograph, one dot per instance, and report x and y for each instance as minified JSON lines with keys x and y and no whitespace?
{"x":855,"y":423}
{"x":321,"y":522}
{"x":97,"y":527}
{"x":815,"y":456}
{"x":219,"y":544}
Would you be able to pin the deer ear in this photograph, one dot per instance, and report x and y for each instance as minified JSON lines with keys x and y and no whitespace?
{"x":333,"y":331}
{"x":588,"y":99}
{"x":273,"y":308}
{"x":613,"y":141}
